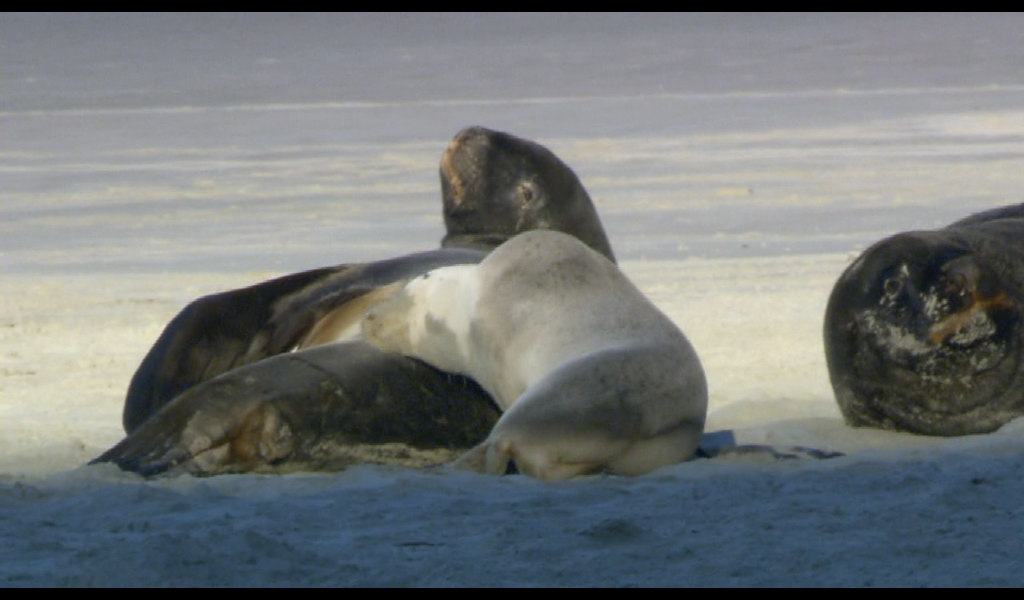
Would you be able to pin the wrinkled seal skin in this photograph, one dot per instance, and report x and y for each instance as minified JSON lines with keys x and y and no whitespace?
{"x":207,"y":398}
{"x":923,"y":332}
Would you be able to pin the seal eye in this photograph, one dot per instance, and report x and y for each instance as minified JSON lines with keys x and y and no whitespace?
{"x":893,"y":286}
{"x":955,"y":286}
{"x":527,"y":192}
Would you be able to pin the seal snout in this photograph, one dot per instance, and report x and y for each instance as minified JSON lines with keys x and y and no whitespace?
{"x":459,"y":160}
{"x":453,"y":188}
{"x":966,"y":303}
{"x":973,"y":317}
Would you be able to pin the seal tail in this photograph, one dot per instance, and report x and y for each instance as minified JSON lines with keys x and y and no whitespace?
{"x":490,"y":458}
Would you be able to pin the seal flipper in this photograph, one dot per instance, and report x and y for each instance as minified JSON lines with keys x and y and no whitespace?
{"x":221,"y":332}
{"x":325,"y":408}
{"x":227,"y":426}
{"x":213,"y":335}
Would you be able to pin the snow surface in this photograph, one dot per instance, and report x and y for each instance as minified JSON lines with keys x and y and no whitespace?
{"x":739,"y":163}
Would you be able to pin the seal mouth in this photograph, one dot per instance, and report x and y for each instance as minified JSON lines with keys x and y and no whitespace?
{"x":453,"y":187}
{"x":947,"y":334}
{"x":949,"y":379}
{"x":459,"y":158}
{"x":480,"y":170}
{"x":949,"y":318}
{"x":970,"y":324}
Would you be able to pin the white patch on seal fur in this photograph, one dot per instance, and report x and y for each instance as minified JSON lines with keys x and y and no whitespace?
{"x":895,"y":337}
{"x":429,"y":318}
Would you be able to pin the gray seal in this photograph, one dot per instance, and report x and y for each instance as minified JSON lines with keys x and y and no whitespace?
{"x":923,"y":332}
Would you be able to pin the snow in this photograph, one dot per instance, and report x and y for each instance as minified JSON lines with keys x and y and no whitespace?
{"x":739,"y":163}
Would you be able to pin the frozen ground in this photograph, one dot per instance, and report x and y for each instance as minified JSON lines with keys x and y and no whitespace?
{"x":738,"y":162}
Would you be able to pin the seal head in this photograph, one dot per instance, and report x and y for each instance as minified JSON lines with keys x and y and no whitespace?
{"x":495,"y":185}
{"x":923,"y":334}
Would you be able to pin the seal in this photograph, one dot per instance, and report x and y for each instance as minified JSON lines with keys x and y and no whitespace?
{"x":274,"y":374}
{"x":591,"y":376}
{"x":923,"y":332}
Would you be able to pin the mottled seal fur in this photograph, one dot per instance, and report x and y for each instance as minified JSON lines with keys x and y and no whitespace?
{"x":923,"y":332}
